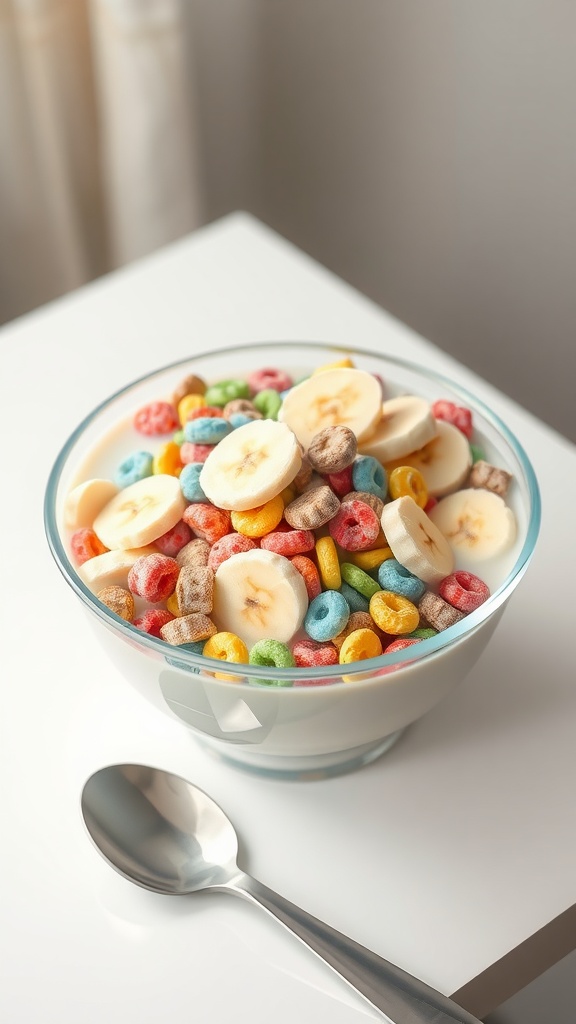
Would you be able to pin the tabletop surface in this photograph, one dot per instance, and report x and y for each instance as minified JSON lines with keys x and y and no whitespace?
{"x":452,"y":856}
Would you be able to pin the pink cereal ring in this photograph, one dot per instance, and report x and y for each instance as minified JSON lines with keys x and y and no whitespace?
{"x":457,"y":415}
{"x":401,"y":643}
{"x":153,"y":577}
{"x":269,"y":377}
{"x":355,"y":526}
{"x":288,"y":542}
{"x":152,"y":620}
{"x":341,"y":483}
{"x":228,"y":545}
{"x":312,"y":652}
{"x":207,"y":521}
{"x":205,"y":410}
{"x":309,"y":574}
{"x":190,"y":452}
{"x":156,"y":418}
{"x":85,"y":544}
{"x":174,"y":540}
{"x":463,"y":591}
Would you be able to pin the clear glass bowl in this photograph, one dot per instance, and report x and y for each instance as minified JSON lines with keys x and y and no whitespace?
{"x":297,"y":731}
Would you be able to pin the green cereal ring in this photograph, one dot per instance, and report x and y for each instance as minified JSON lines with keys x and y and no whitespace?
{"x":359,"y":579}
{"x":275,"y":653}
{"x":422,"y":633}
{"x":477,"y":453}
{"x":226,"y":391}
{"x":268,"y":402}
{"x":178,"y":438}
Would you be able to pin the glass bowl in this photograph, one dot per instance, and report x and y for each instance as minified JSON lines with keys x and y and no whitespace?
{"x":331,"y":724}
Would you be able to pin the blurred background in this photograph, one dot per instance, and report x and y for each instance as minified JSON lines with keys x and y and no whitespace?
{"x":424,"y":150}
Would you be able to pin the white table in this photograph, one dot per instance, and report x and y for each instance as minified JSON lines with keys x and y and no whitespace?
{"x":453,"y":855}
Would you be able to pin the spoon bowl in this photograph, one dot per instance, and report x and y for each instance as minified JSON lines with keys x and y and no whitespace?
{"x":166,"y":835}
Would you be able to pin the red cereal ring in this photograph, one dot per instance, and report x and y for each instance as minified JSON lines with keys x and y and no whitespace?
{"x":85,"y":544}
{"x":432,"y":501}
{"x":207,"y":521}
{"x":341,"y":483}
{"x":457,"y":415}
{"x":269,"y":377}
{"x":463,"y":590}
{"x":401,"y":643}
{"x":174,"y":540}
{"x":205,"y":410}
{"x":355,"y":526}
{"x":190,"y":452}
{"x":228,"y":545}
{"x":152,"y":620}
{"x":156,"y":418}
{"x":153,"y":577}
{"x":309,"y":574}
{"x":312,"y":652}
{"x":288,"y":542}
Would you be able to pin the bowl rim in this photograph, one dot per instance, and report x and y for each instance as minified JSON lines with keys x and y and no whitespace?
{"x":284,"y":677}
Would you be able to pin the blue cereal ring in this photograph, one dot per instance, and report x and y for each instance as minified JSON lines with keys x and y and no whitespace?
{"x":393,"y":576}
{"x":134,"y":468}
{"x":206,"y":429}
{"x":190,"y":483}
{"x":369,"y":475}
{"x":327,"y":615}
{"x":238,"y":419}
{"x":355,"y":601}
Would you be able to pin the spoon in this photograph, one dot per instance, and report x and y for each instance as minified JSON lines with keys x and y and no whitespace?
{"x":163,"y":833}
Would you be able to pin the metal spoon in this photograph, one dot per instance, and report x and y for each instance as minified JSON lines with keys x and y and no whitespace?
{"x":165,"y":834}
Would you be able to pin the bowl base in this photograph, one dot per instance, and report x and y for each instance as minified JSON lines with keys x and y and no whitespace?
{"x":307,"y":768}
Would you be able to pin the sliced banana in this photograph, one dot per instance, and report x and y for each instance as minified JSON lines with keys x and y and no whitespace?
{"x":111,"y":569}
{"x":477,"y":524}
{"x":406,"y":424}
{"x":140,"y":513}
{"x":416,"y":541}
{"x":84,"y":502}
{"x":444,"y":462}
{"x":344,"y":395}
{"x":251,"y":465}
{"x":258,"y":594}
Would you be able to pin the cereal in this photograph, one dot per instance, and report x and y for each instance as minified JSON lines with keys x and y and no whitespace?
{"x":328,"y":563}
{"x":136,"y":466}
{"x":207,"y":522}
{"x":85,"y":544}
{"x":226,"y":391}
{"x":354,"y":599}
{"x":332,"y":449}
{"x":312,"y":509}
{"x":393,"y":576}
{"x":341,"y":483}
{"x":275,"y":654}
{"x":371,"y":559}
{"x":189,"y":385}
{"x":393,"y":613}
{"x":326,"y":616}
{"x":369,"y":475}
{"x":375,"y":503}
{"x":188,"y":629}
{"x":268,"y":403}
{"x":195,"y":589}
{"x":359,"y":645}
{"x":167,"y":460}
{"x":190,"y":482}
{"x":303,"y":476}
{"x":153,"y":620}
{"x":206,"y":429}
{"x":194,"y":553}
{"x":309,"y":574}
{"x":457,"y":415}
{"x":230,"y":544}
{"x":269,"y":378}
{"x":312,"y":652}
{"x":359,"y":580}
{"x":153,"y":577}
{"x":437,"y":612}
{"x":407,"y":480}
{"x":464,"y":591}
{"x":355,"y":526}
{"x":156,"y":418}
{"x":187,"y":405}
{"x":288,"y":542}
{"x":197,"y":453}
{"x":119,"y":601}
{"x":226,"y":646}
{"x":244,"y":406}
{"x":357,"y":620}
{"x":172,"y":542}
{"x":256,"y":522}
{"x":490,"y":477}
{"x":401,"y":643}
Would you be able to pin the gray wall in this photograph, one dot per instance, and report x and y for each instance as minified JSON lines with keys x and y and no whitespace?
{"x":425,"y":150}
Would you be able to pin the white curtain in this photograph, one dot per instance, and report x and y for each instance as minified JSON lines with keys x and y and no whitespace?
{"x":98,"y":141}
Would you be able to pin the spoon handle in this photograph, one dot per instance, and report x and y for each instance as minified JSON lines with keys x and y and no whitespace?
{"x":401,"y":997}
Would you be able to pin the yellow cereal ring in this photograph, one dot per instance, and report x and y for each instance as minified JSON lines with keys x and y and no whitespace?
{"x":368,"y":560}
{"x":226,"y":647}
{"x":393,"y":613}
{"x":288,"y":495}
{"x":407,"y":481}
{"x":359,"y":645}
{"x":187,"y":405}
{"x":336,"y":365}
{"x":256,"y":522}
{"x":328,"y":564}
{"x":172,"y":605}
{"x":167,"y":460}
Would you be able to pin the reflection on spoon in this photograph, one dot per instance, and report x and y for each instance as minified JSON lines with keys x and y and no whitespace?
{"x":165,"y":834}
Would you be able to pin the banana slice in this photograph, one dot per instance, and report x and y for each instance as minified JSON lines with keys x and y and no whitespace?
{"x":416,"y":541}
{"x":85,"y":501}
{"x":444,"y":462}
{"x":111,"y":569}
{"x":346,"y":396}
{"x":478,"y":524}
{"x":251,"y":465}
{"x":140,"y":513}
{"x":406,"y":424}
{"x":258,"y":594}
